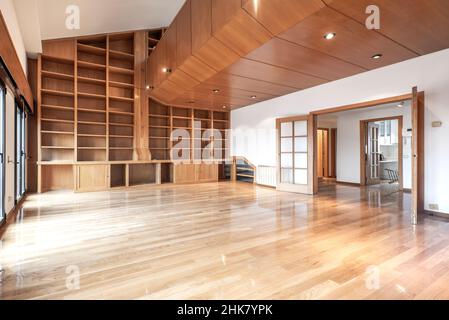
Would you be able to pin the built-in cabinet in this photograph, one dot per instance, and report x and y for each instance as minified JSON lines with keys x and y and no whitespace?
{"x":97,"y":127}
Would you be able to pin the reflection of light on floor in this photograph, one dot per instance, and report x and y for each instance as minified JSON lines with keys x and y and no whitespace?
{"x":223,"y":259}
{"x":38,"y":235}
{"x":401,"y":289}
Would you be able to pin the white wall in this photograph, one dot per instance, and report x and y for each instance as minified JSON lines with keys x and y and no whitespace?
{"x":429,"y":73}
{"x":9,"y":14}
{"x":348,"y":141}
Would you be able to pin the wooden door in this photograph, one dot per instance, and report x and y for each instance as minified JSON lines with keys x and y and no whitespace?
{"x":295,"y":145}
{"x":417,"y":154}
{"x":323,"y":153}
{"x":372,"y":154}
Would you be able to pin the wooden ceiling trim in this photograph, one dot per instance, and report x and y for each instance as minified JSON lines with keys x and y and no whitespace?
{"x":364,"y":43}
{"x":426,"y":34}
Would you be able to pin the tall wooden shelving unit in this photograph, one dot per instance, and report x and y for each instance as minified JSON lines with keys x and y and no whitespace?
{"x":164,"y":119}
{"x":96,"y":127}
{"x":91,"y":100}
{"x":121,"y":96}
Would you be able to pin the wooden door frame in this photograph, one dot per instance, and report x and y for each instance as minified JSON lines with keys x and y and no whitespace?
{"x":418,"y":170}
{"x":363,"y":136}
{"x":334,"y":153}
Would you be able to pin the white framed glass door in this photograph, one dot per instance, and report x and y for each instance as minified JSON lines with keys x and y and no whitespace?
{"x":20,"y":152}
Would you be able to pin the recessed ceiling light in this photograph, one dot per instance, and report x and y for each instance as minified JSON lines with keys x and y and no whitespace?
{"x":224,"y":107}
{"x":216,"y":91}
{"x":401,"y":104}
{"x":330,"y":35}
{"x":147,"y":87}
{"x":377,"y":56}
{"x":166,"y":70}
{"x":253,"y":97}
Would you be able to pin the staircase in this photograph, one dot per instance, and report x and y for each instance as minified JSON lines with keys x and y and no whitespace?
{"x":243,"y":170}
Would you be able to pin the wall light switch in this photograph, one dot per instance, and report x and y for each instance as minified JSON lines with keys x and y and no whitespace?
{"x":437,"y":124}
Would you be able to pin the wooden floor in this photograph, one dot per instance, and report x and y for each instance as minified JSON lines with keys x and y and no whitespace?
{"x":224,"y":241}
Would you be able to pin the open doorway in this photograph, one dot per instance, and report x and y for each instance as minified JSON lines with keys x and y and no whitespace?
{"x":346,"y":164}
{"x":367,"y":147}
{"x":381,"y":155}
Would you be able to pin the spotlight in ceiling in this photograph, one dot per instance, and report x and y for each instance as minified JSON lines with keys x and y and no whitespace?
{"x":377,"y":56}
{"x":224,"y":107}
{"x":147,"y":87}
{"x":400,"y":105}
{"x":166,"y":70}
{"x":253,"y":97}
{"x":330,"y":35}
{"x":216,"y":91}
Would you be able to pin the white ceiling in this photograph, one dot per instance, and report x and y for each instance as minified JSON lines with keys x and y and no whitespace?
{"x":96,"y":16}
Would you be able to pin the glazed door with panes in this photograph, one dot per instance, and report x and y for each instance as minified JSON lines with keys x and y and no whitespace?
{"x":372,"y":155}
{"x":295,"y":154}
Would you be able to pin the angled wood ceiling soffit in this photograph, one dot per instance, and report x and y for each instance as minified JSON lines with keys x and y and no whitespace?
{"x":237,"y":52}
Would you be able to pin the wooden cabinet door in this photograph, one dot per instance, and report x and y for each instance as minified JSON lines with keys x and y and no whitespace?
{"x":206,"y":172}
{"x":92,"y":178}
{"x":184,"y":173}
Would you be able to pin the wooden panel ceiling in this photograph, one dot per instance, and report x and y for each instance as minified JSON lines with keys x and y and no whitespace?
{"x":252,"y":51}
{"x":258,"y":70}
{"x":280,"y":15}
{"x":364,"y":43}
{"x":420,"y":25}
{"x":291,"y":56}
{"x":231,"y":81}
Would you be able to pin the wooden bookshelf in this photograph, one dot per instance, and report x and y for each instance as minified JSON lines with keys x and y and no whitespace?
{"x":96,"y":127}
{"x":154,"y":36}
{"x":57,"y":110}
{"x":91,"y":99}
{"x":121,"y":96}
{"x":163,"y":120}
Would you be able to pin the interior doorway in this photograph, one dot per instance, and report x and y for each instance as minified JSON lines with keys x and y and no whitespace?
{"x":326,"y":155}
{"x":415,"y":140}
{"x":381,"y":157}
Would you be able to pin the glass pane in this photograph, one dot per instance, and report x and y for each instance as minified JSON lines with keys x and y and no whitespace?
{"x":287,"y":160}
{"x":301,"y":144}
{"x":300,"y":176}
{"x":300,"y":160}
{"x":286,"y":129}
{"x":286,"y":144}
{"x":301,"y":128}
{"x":287,"y":175}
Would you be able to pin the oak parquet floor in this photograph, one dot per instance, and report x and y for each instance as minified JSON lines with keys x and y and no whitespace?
{"x":224,"y":241}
